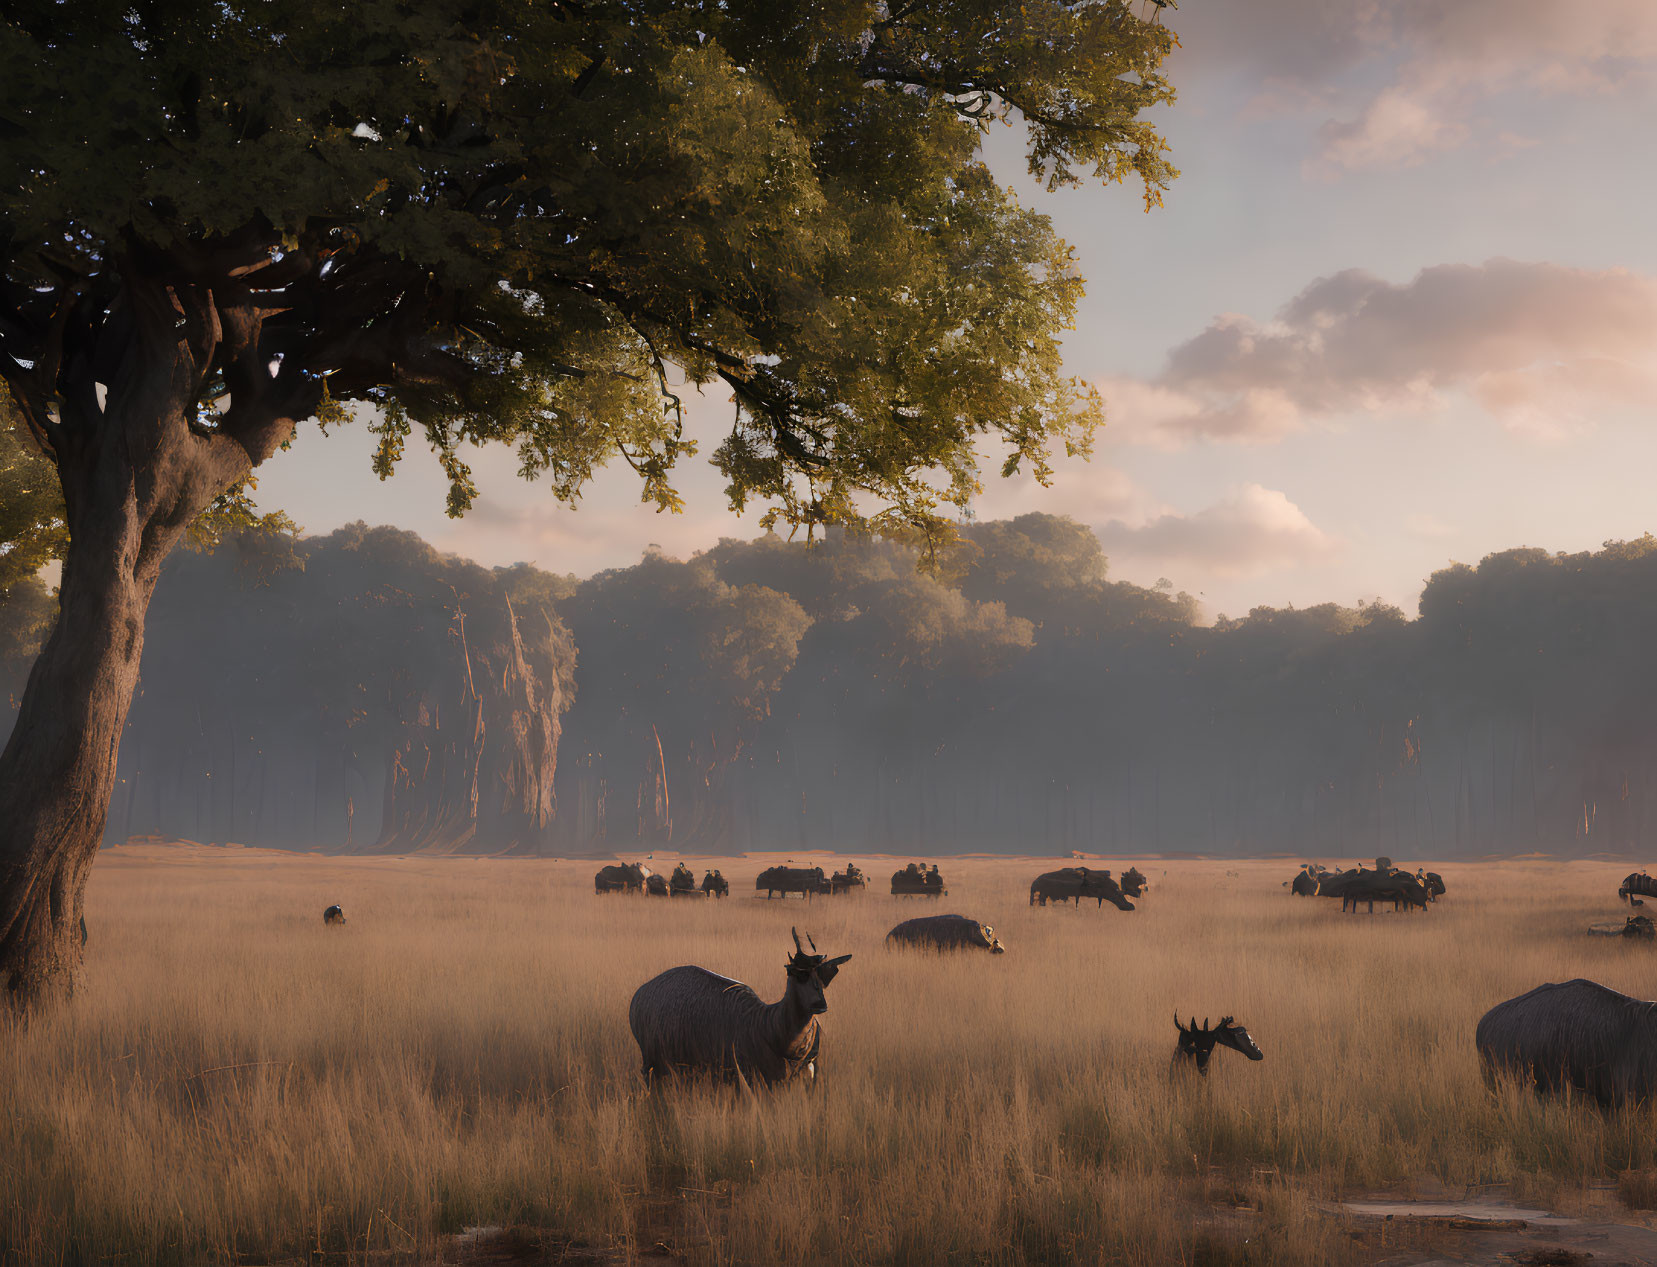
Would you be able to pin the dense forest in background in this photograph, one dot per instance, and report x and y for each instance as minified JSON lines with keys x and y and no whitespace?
{"x":360,"y":691}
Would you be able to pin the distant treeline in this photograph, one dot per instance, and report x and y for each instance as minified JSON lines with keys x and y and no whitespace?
{"x":360,"y":691}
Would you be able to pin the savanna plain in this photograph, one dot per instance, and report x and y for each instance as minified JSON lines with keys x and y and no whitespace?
{"x":237,"y":1083}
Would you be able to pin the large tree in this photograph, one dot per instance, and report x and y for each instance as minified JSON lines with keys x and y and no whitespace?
{"x":508,"y":220}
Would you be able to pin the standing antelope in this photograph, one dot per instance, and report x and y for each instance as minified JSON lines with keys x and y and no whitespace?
{"x":690,"y":1020}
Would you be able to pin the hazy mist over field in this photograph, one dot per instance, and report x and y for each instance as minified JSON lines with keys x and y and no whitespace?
{"x":360,"y":692}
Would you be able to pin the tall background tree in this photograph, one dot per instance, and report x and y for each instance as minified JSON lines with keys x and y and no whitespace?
{"x":504,"y":221}
{"x":763,"y":694}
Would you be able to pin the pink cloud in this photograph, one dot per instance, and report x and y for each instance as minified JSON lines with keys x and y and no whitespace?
{"x":1547,"y":350}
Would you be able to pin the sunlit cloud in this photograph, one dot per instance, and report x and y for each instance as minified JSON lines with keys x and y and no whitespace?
{"x":1251,"y":531}
{"x":1546,"y":350}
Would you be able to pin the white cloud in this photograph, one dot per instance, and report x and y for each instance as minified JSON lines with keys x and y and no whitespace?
{"x":1546,"y":350}
{"x":1398,"y":128}
{"x":1252,"y":530}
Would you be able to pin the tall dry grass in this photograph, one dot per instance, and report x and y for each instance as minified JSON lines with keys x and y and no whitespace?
{"x":239,"y":1083}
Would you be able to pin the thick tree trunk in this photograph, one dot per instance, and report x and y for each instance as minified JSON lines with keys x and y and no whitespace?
{"x":116,"y":407}
{"x":58,"y":768}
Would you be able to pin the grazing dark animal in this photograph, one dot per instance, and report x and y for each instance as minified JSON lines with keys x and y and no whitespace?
{"x":716,"y":885}
{"x":1361,"y":886}
{"x":946,"y":932}
{"x":333,"y":915}
{"x":1574,"y":1034}
{"x":692,"y":1021}
{"x":656,"y":886}
{"x":915,"y":881}
{"x":619,"y":878}
{"x":1639,"y":927}
{"x":1304,"y":885}
{"x":1197,"y":1045}
{"x":682,"y":883}
{"x":1434,"y":883}
{"x":1638,"y":882}
{"x":1074,"y":884}
{"x":848,"y":881}
{"x":806,"y":881}
{"x":1134,"y":883}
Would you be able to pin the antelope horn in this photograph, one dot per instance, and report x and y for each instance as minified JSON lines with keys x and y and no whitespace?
{"x":1177,"y":1024}
{"x":812,"y":944}
{"x":1205,"y":1025}
{"x":797,"y":947}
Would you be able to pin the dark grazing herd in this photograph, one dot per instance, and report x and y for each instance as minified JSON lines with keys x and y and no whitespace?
{"x":689,"y":1021}
{"x":635,"y":877}
{"x":1566,"y":1036}
{"x":1360,"y":886}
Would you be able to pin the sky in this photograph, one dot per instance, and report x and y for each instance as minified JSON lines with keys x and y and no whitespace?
{"x":1399,"y":310}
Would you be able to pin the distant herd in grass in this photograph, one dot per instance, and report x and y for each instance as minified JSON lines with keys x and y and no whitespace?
{"x":1360,"y":886}
{"x":1576,"y":1036}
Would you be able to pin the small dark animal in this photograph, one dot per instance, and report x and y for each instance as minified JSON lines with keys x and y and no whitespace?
{"x":1197,"y":1045}
{"x":847,"y":881}
{"x":716,"y":885}
{"x":1133,"y":882}
{"x":1574,"y":1034}
{"x":1305,"y":884}
{"x":618,"y":878}
{"x":1638,"y":882}
{"x":946,"y":932}
{"x":656,"y":886}
{"x":1640,"y":927}
{"x":333,"y":915}
{"x":682,"y":883}
{"x":689,"y":1020}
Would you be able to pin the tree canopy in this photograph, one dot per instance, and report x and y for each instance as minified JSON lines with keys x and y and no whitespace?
{"x":520,"y":222}
{"x":508,"y":220}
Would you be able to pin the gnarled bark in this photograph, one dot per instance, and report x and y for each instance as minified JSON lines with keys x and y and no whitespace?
{"x":112,"y":400}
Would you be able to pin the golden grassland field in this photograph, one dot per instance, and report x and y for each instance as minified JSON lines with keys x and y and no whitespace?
{"x":238,"y":1083}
